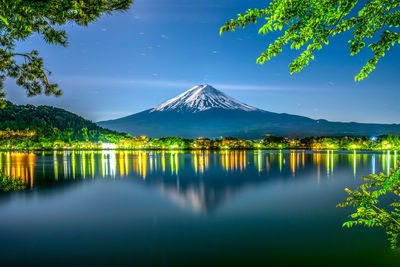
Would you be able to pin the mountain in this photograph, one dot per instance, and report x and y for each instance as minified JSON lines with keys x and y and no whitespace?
{"x":203,"y":111}
{"x":201,"y":98}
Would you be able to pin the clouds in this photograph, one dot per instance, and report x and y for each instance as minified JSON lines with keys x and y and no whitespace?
{"x":124,"y":83}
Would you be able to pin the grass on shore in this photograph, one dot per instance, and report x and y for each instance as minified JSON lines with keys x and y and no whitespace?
{"x":7,"y":183}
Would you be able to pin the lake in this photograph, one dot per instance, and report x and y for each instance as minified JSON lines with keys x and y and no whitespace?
{"x":177,"y":208}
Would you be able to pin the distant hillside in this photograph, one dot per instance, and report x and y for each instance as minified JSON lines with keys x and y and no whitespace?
{"x":51,"y":121}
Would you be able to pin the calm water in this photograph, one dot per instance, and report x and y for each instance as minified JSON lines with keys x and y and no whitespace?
{"x":188,"y":208}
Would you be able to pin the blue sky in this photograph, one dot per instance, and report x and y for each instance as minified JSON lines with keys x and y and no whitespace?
{"x":132,"y":61}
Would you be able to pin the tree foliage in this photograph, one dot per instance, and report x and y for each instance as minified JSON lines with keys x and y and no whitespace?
{"x":8,"y":183}
{"x":378,"y":204}
{"x":309,"y":24}
{"x":49,"y":124}
{"x":20,"y":19}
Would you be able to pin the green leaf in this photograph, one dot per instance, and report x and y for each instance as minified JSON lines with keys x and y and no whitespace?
{"x":4,"y":20}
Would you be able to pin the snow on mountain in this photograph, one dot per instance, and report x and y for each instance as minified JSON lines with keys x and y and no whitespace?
{"x":201,"y":98}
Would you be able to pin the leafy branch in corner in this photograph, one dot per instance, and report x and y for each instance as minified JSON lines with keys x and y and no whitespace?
{"x":20,"y":19}
{"x":371,"y":210}
{"x":309,"y":24}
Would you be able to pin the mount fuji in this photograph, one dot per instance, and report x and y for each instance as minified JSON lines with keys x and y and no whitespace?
{"x":201,"y":98}
{"x":204,"y":111}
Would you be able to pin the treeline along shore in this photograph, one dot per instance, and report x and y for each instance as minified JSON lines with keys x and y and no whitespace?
{"x":31,"y":140}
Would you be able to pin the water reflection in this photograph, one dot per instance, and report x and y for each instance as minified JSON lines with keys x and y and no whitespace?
{"x":198,"y":179}
{"x":19,"y":165}
{"x":235,"y":161}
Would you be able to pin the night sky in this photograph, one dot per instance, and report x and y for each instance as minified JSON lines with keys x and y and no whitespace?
{"x":132,"y":61}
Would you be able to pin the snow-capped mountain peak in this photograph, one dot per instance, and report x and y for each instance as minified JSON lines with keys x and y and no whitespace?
{"x":201,"y":98}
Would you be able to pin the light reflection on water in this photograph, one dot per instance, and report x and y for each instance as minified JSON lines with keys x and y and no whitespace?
{"x":239,"y":207}
{"x":108,"y":163}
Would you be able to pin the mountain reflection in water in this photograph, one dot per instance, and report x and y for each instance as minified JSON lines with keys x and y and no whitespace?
{"x":198,"y":180}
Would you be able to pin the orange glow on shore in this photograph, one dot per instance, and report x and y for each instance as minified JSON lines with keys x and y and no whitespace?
{"x":82,"y":164}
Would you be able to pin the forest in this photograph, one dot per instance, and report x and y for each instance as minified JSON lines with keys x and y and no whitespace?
{"x":45,"y":127}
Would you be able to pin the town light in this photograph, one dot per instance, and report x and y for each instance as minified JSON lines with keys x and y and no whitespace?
{"x":108,"y":146}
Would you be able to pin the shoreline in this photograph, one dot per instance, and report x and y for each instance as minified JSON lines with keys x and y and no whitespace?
{"x":191,"y":149}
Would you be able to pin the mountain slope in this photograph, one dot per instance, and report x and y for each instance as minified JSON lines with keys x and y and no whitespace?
{"x":203,"y":111}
